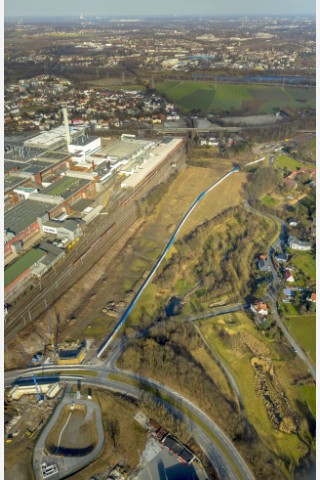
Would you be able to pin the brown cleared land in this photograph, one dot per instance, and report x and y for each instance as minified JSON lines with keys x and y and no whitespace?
{"x":227,"y":194}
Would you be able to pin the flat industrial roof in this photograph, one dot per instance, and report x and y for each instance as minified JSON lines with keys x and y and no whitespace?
{"x":122,"y":149}
{"x":83,"y":140}
{"x":24,"y":214}
{"x":11,"y":181}
{"x":81,"y":204}
{"x":156,"y":156}
{"x":54,"y":156}
{"x":66,"y":187}
{"x":68,"y":224}
{"x":21,"y":265}
{"x":51,"y":137}
{"x":10,"y":165}
{"x":36,"y":166}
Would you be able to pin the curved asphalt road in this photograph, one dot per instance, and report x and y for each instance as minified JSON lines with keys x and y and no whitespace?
{"x":207,"y":442}
{"x":67,"y":465}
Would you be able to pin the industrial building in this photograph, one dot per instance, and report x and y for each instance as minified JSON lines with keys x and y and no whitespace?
{"x":72,"y":355}
{"x":17,"y":276}
{"x":163,"y":152}
{"x":183,"y":453}
{"x":49,"y":389}
{"x":25,"y":220}
{"x":56,"y":175}
{"x":52,"y":255}
{"x":67,"y":229}
{"x":53,"y":138}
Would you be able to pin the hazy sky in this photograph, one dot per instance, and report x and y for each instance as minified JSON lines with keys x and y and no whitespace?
{"x":162,"y":7}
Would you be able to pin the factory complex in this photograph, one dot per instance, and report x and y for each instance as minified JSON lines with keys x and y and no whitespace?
{"x":55,"y":185}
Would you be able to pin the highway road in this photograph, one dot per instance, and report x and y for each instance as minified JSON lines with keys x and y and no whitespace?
{"x":215,"y":444}
{"x":133,"y":302}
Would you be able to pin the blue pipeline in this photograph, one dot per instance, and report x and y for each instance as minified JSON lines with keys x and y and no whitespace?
{"x":163,"y":254}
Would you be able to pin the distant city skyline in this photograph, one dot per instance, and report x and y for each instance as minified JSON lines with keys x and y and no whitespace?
{"x":36,"y":8}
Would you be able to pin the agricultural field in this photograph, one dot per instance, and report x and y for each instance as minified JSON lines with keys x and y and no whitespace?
{"x":303,"y":328}
{"x":306,"y":263}
{"x":308,"y":394}
{"x":249,"y":99}
{"x":284,"y":161}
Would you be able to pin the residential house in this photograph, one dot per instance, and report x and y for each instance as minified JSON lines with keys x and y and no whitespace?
{"x":312,"y":298}
{"x":297,"y":244}
{"x":281,"y":257}
{"x":263,"y":264}
{"x":292,"y":222}
{"x":288,"y":275}
{"x":288,"y":295}
{"x":260,"y":309}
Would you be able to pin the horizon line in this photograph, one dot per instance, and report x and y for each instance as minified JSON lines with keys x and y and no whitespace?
{"x":197,"y":15}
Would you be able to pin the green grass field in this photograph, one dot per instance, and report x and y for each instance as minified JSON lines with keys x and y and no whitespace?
{"x":146,"y":303}
{"x":283,"y":161}
{"x":287,"y":309}
{"x":99,"y":326}
{"x":308,"y":393}
{"x":305,"y":262}
{"x":269,"y":201}
{"x":210,"y":96}
{"x":303,"y":328}
{"x":241,"y":369}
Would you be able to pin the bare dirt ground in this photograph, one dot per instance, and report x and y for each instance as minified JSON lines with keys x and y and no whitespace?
{"x":80,"y":433}
{"x":18,"y":453}
{"x":81,"y":301}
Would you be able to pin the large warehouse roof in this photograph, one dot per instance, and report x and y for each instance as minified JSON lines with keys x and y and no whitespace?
{"x":25,"y":214}
{"x":51,"y":138}
{"x":156,"y":156}
{"x":21,"y":265}
{"x":122,"y":149}
{"x":66,"y":187}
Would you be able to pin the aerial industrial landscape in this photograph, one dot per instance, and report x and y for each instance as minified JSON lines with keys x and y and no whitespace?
{"x":159,"y":242}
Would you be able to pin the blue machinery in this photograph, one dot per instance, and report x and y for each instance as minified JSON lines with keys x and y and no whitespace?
{"x":39,"y":394}
{"x":109,"y":339}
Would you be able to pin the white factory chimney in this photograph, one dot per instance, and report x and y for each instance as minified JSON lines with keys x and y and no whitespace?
{"x":66,"y":125}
